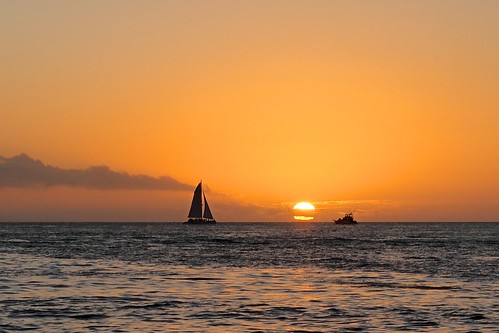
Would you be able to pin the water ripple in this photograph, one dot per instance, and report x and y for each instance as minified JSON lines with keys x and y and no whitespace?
{"x":249,"y":278}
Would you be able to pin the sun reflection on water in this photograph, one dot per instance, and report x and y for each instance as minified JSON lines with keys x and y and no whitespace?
{"x":147,"y":297}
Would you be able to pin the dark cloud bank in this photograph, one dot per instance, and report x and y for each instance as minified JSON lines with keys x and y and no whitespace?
{"x":22,"y":171}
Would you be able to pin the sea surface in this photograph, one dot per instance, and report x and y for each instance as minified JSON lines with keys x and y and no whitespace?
{"x":249,"y":277}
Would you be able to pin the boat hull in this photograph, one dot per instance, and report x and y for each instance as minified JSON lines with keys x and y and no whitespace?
{"x":200,"y":221}
{"x":345,"y":222}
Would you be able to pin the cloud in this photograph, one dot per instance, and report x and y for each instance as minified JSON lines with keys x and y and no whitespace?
{"x":22,"y":171}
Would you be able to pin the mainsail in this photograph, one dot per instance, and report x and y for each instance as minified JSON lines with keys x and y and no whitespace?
{"x":197,"y":214}
{"x":196,"y":211}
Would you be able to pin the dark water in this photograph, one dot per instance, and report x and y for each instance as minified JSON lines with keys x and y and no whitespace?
{"x":249,"y":277}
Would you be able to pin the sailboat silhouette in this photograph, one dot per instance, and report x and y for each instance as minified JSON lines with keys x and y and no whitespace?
{"x":200,"y":212}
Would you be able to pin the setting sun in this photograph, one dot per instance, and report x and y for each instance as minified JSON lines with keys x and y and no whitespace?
{"x":304,"y":206}
{"x":304,"y":211}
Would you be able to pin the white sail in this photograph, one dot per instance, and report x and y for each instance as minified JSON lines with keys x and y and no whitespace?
{"x":197,"y":203}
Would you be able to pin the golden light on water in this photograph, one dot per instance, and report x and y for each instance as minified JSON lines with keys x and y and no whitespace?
{"x":303,"y":218}
{"x":304,"y":211}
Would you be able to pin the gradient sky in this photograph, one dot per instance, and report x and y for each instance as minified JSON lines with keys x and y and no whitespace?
{"x":386,"y":108}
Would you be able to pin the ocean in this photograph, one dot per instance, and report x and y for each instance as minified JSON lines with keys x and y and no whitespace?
{"x":249,"y":277}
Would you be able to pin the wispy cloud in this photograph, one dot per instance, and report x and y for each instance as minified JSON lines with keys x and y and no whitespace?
{"x":352,"y":204}
{"x":22,"y":171}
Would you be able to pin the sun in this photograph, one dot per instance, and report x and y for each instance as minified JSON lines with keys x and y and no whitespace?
{"x":304,"y":205}
{"x":304,"y":211}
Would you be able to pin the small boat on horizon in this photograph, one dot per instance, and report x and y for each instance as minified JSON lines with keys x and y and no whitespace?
{"x":347,"y":219}
{"x":200,"y":212}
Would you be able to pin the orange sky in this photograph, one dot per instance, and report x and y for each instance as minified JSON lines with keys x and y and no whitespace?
{"x":386,"y":108}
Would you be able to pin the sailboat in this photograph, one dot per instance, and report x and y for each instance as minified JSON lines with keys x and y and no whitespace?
{"x":200,"y":212}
